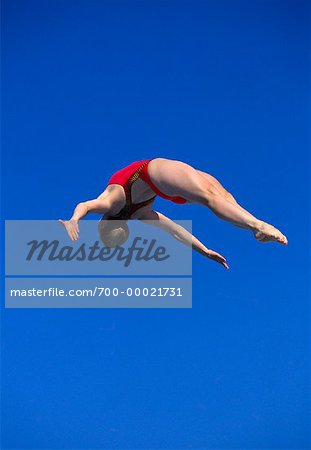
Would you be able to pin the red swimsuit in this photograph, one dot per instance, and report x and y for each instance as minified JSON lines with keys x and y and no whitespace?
{"x":127,"y":176}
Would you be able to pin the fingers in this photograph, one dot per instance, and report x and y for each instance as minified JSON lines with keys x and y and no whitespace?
{"x":71,"y":228}
{"x":75,"y":235}
{"x":218,"y":258}
{"x":73,"y":232}
{"x":223,"y":262}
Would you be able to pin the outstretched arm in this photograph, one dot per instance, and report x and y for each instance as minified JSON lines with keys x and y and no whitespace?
{"x":98,"y":206}
{"x":181,"y":234}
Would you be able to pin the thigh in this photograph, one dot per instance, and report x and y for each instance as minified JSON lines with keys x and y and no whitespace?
{"x":175,"y":178}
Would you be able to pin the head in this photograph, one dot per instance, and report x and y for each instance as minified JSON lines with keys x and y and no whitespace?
{"x":113,"y":233}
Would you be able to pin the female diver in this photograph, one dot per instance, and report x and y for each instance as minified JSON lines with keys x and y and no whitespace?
{"x":131,"y":192}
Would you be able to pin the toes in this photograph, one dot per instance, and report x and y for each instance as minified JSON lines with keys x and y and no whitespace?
{"x":270,"y":233}
{"x":282,"y":239}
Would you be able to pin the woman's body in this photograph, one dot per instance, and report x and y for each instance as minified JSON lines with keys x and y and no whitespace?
{"x":131,"y":191}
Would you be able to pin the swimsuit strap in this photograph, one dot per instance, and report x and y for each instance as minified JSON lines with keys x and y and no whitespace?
{"x":135,"y":177}
{"x":129,"y":207}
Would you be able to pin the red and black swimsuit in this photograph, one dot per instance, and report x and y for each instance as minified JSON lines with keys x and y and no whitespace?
{"x":126,"y":177}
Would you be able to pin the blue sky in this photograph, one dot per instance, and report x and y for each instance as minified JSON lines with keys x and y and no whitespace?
{"x":223,"y":85}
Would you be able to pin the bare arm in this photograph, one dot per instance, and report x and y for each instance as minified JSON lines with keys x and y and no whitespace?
{"x":97,"y":206}
{"x":100,"y":205}
{"x":181,"y":234}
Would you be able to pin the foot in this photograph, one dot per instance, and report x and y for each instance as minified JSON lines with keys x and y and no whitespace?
{"x":267,"y":233}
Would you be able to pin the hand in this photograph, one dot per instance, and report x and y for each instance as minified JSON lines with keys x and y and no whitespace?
{"x":218,"y":258}
{"x":72,"y":228}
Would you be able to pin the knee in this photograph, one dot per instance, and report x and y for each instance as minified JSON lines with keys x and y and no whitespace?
{"x":202,"y":191}
{"x":208,"y":195}
{"x":211,"y":191}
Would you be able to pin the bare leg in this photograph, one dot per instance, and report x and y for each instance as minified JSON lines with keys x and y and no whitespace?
{"x":218,"y":186}
{"x":175,"y":178}
{"x":227,"y":195}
